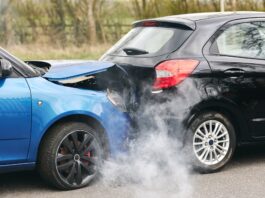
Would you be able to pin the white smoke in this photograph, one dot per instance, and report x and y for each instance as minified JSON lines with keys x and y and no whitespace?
{"x":156,"y":165}
{"x":154,"y":168}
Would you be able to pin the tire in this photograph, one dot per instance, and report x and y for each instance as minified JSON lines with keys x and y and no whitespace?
{"x":70,"y":155}
{"x":211,"y":152}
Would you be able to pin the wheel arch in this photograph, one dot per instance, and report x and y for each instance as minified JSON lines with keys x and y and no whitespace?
{"x":228,"y":109}
{"x":93,"y":122}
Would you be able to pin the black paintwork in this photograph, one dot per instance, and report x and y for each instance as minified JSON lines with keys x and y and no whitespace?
{"x":234,"y":86}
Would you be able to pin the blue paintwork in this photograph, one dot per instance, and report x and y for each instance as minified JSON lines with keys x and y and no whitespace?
{"x":24,"y":122}
{"x":60,"y":101}
{"x":71,"y":69}
{"x":15,"y":122}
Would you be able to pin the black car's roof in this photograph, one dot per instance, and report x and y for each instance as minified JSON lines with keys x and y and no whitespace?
{"x":190,"y":20}
{"x":213,"y":15}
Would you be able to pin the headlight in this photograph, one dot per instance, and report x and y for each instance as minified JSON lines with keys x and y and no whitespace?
{"x":116,"y":99}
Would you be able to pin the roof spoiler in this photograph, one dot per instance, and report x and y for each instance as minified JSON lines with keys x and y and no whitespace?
{"x":168,"y":21}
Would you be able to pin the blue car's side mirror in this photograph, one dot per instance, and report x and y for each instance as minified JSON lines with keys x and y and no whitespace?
{"x":5,"y":68}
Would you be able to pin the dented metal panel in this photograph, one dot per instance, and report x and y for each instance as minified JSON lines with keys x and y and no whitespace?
{"x":62,"y":70}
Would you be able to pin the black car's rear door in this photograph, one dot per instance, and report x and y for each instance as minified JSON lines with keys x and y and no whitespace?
{"x":236,"y":55}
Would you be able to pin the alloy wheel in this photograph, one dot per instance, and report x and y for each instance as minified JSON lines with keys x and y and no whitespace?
{"x":78,"y":158}
{"x":211,"y":142}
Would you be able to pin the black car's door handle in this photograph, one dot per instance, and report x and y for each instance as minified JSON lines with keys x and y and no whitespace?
{"x":234,"y":72}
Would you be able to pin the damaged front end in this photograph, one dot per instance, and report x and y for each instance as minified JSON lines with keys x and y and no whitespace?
{"x":102,"y":79}
{"x":92,"y":75}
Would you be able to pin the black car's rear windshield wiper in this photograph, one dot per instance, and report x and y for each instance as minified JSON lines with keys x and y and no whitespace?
{"x":134,"y":51}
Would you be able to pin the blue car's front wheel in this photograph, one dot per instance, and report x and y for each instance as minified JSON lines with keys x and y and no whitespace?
{"x":70,"y":156}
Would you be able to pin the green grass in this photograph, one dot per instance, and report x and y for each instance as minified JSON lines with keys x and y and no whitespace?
{"x":33,"y":52}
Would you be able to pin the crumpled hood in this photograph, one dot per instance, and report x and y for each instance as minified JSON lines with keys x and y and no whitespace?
{"x":68,"y":69}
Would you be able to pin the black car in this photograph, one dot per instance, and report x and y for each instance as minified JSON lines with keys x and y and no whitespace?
{"x":216,"y":62}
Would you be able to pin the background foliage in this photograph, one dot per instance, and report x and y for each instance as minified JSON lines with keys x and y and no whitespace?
{"x":31,"y":27}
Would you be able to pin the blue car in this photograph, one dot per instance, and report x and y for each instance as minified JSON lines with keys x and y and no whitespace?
{"x":62,"y":118}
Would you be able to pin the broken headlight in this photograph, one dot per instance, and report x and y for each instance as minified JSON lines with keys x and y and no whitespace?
{"x":116,"y":99}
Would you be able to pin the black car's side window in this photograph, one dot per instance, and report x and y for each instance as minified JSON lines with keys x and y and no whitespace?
{"x":242,"y":40}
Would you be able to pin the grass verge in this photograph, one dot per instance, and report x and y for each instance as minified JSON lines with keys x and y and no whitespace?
{"x":40,"y":52}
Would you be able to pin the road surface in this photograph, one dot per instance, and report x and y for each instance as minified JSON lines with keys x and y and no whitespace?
{"x":243,"y":177}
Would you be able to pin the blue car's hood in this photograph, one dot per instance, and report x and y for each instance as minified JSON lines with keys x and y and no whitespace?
{"x":63,"y":70}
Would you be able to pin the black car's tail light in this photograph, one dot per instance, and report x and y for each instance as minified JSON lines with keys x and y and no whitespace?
{"x":172,"y":72}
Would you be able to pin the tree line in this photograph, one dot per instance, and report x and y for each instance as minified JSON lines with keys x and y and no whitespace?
{"x":78,"y":22}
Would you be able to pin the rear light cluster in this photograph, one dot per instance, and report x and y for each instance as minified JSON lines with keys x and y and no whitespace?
{"x":150,"y":24}
{"x":172,"y":72}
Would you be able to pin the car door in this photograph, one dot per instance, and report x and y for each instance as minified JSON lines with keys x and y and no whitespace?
{"x":15,"y":119}
{"x":236,"y":55}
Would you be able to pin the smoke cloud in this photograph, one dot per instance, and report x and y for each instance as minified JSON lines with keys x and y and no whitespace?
{"x":156,"y":165}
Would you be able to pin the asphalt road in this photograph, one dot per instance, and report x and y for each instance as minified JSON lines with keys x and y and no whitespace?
{"x":243,"y":177}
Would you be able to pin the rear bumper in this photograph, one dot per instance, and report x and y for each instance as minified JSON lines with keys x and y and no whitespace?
{"x":163,"y":110}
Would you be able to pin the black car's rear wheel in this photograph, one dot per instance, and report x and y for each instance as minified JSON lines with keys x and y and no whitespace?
{"x":212,"y":141}
{"x":70,"y":156}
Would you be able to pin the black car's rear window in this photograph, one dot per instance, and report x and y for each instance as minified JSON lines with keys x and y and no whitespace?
{"x":153,"y":40}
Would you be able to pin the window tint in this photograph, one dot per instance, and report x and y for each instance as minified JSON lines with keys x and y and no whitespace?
{"x":153,"y":40}
{"x":243,"y":40}
{"x":158,"y":38}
